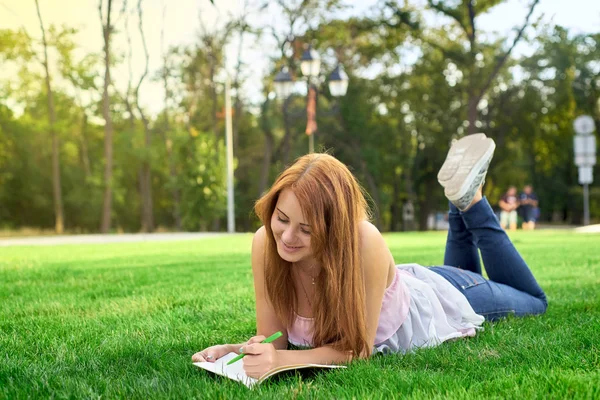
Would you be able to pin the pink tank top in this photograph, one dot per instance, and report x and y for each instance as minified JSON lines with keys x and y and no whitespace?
{"x":394,"y":309}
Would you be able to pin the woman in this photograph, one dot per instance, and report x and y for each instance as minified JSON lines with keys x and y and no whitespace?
{"x":324,"y":276}
{"x":508,"y":209}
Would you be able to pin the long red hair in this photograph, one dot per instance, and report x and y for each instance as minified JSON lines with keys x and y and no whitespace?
{"x":333,"y":203}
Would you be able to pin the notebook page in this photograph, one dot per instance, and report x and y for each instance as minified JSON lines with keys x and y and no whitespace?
{"x":234,"y":371}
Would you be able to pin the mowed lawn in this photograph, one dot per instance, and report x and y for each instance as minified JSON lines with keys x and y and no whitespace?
{"x":122,"y":321}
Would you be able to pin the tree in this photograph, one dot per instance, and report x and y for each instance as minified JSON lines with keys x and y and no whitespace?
{"x":561,"y":81}
{"x":165,"y":74}
{"x":411,"y":85}
{"x":107,"y":29}
{"x":479,"y":78}
{"x":145,"y":170}
{"x":361,"y":134}
{"x":82,"y":74}
{"x":56,"y":184}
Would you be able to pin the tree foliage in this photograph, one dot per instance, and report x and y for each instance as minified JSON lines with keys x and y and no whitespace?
{"x":414,"y":87}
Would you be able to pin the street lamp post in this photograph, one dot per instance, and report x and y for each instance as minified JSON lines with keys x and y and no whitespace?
{"x":310,"y":65}
{"x":229,"y":153}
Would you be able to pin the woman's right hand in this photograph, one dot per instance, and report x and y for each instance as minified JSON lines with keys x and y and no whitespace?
{"x":212,"y":353}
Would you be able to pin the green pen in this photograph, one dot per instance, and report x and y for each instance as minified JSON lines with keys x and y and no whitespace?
{"x":271,"y":338}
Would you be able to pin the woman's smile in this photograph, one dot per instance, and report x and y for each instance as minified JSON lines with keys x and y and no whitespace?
{"x":290,"y":249}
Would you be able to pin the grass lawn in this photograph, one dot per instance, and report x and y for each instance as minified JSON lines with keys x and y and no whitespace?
{"x":122,"y":321}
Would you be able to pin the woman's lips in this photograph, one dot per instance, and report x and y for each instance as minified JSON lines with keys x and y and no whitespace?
{"x":290,"y":249}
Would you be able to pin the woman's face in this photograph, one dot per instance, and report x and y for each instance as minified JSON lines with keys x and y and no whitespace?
{"x":291,"y":232}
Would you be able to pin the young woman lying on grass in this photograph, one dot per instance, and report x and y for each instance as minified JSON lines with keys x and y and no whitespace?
{"x":324,"y":276}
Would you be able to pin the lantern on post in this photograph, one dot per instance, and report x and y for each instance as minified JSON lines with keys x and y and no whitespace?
{"x":310,"y":65}
{"x":283,"y":83}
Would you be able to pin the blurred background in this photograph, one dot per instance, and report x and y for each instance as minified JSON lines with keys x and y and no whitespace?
{"x":114,"y":114}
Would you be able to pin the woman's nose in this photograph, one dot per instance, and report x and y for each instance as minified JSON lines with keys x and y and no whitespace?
{"x":288,"y":235}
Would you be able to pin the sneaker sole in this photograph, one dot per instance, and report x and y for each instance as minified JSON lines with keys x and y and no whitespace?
{"x":480,"y":154}
{"x":454,"y":156}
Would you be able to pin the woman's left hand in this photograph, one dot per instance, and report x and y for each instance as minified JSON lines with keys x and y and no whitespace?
{"x":260,"y":358}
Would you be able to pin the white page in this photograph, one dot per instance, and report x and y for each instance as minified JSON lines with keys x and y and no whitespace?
{"x":234,"y":371}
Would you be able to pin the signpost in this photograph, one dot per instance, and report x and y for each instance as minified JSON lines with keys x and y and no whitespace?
{"x":585,"y":158}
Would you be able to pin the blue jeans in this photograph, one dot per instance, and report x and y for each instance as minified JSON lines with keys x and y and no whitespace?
{"x":511,"y":289}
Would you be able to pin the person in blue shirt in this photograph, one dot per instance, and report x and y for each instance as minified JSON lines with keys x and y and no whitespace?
{"x":528,"y":202}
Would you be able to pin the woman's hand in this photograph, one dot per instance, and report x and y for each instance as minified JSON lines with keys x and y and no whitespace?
{"x":260,"y":358}
{"x":212,"y":354}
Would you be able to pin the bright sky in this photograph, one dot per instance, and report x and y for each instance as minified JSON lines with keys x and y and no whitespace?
{"x":181,"y":24}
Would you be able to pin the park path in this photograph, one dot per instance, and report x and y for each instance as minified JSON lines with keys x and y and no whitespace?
{"x":163,"y":237}
{"x":109,"y":238}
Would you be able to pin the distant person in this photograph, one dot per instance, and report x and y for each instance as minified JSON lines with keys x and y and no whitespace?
{"x":508,"y":206}
{"x":529,"y":207}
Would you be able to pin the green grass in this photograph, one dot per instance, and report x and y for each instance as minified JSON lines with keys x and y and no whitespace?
{"x":122,"y":321}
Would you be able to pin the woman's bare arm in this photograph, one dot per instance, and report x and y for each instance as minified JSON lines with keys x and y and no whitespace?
{"x":267,"y":322}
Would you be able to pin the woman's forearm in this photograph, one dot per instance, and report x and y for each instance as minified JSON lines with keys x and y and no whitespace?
{"x":235,"y":348}
{"x":320,"y":355}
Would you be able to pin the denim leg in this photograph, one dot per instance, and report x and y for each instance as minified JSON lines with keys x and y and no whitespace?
{"x":490,"y":299}
{"x":461,"y":250}
{"x":501,"y":260}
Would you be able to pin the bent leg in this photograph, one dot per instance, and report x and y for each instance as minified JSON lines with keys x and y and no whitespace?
{"x":501,"y":260}
{"x":490,"y":299}
{"x":461,"y":250}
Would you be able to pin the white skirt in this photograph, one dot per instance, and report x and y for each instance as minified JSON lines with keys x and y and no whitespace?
{"x":437,"y":312}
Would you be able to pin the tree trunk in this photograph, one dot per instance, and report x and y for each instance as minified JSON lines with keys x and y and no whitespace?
{"x":147,"y":214}
{"x":408,"y":178}
{"x":285,"y":142}
{"x":236,"y":84}
{"x":176,"y":212}
{"x":108,"y":126}
{"x":268,"y":150}
{"x":235,"y":132}
{"x":173,"y":178}
{"x":84,"y":152}
{"x":475,"y":98}
{"x":472,"y":113}
{"x":425,"y":204}
{"x":475,"y":95}
{"x":56,"y":179}
{"x":395,"y":209}
{"x":172,"y":170}
{"x":354,"y":148}
{"x":146,"y":179}
{"x":373,"y":191}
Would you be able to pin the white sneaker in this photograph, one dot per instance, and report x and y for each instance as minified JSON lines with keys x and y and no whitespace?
{"x":465,"y":168}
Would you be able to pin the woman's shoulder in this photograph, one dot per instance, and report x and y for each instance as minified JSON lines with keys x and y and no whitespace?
{"x":371,"y":241}
{"x":367,"y":232}
{"x":260,"y":234}
{"x":378,"y":262}
{"x":258,"y":245}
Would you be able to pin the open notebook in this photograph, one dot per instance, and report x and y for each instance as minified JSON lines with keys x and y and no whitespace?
{"x":236,"y":372}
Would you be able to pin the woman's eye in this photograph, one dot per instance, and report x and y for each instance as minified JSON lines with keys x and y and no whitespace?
{"x":281,"y":220}
{"x":305,"y":232}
